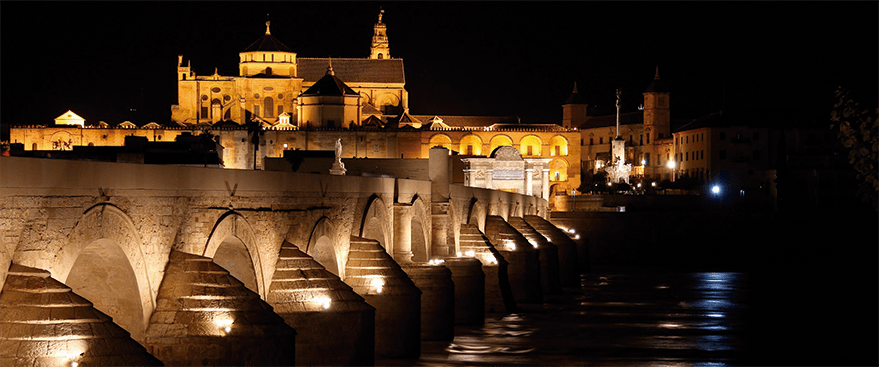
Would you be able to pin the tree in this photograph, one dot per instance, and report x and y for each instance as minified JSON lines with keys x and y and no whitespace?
{"x":857,"y":128}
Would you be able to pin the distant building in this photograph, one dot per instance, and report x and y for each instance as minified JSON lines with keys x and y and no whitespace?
{"x":280,"y":101}
{"x":647,"y":133}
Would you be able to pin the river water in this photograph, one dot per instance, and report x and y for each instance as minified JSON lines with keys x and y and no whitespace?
{"x":797,"y":290}
{"x":671,"y":319}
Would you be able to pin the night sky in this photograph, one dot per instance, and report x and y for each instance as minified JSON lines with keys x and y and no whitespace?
{"x":775,"y":63}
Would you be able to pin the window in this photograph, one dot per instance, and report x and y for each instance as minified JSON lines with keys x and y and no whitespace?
{"x":270,"y":106}
{"x":204,"y":112}
{"x":641,"y":140}
{"x":648,"y":138}
{"x":529,"y":150}
{"x":722,"y":154}
{"x":646,"y":159}
{"x":686,"y":140}
{"x":590,"y":141}
{"x":722,"y":136}
{"x":600,"y":140}
{"x":702,"y":137}
{"x":470,"y":149}
{"x":558,"y":150}
{"x":687,"y":156}
{"x":701,"y":154}
{"x":256,"y":110}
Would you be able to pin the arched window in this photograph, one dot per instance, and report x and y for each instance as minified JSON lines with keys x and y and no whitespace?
{"x":471,"y":145}
{"x":268,"y":71}
{"x":269,"y":107}
{"x":558,"y":170}
{"x":530,"y":146}
{"x":499,"y":141}
{"x":558,"y":146}
{"x":441,"y":140}
{"x":380,"y":56}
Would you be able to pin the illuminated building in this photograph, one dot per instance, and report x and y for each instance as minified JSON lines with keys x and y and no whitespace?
{"x":309,"y":103}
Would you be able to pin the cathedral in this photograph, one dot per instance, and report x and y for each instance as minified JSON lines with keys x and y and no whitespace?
{"x":280,"y":101}
{"x":275,"y":88}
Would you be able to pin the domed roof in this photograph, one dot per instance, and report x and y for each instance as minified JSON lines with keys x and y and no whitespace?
{"x":267,"y":43}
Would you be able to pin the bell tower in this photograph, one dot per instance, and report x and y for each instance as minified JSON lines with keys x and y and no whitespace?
{"x":574,"y":110}
{"x":380,"y":49}
{"x":656,"y":110}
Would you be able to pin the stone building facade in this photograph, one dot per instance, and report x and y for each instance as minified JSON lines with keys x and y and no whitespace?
{"x":309,"y":103}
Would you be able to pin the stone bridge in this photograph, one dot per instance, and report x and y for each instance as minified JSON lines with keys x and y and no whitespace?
{"x":131,"y":264}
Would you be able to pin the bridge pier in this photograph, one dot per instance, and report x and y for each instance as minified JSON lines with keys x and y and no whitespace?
{"x":204,"y":316}
{"x":334,"y":325}
{"x":524,"y":259}
{"x":498,"y":294}
{"x":374,"y":275}
{"x":549,"y":255}
{"x":569,"y":269}
{"x":437,"y":300}
{"x":469,"y":281}
{"x":44,"y":323}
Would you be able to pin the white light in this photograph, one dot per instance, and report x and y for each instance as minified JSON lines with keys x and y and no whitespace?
{"x":74,"y":364}
{"x":377,"y":282}
{"x":577,"y":237}
{"x":224,"y":324}
{"x":639,"y":185}
{"x":460,"y":254}
{"x":285,"y":145}
{"x":671,"y":164}
{"x":643,"y":162}
{"x":571,"y":230}
{"x":608,"y":184}
{"x":470,"y":253}
{"x":323,"y":301}
{"x":533,"y":243}
{"x":653,"y":184}
{"x":715,"y":189}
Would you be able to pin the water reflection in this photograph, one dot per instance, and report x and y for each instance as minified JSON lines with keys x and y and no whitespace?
{"x":614,"y":319}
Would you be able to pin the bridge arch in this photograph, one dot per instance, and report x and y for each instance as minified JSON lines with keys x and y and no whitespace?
{"x":476,"y":214}
{"x":376,"y":224}
{"x":420,"y":231}
{"x":233,"y":246}
{"x":103,"y":262}
{"x":322,"y":247}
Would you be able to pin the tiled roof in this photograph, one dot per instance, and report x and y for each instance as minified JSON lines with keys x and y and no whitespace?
{"x":329,"y":85}
{"x":353,"y":71}
{"x":468,"y":121}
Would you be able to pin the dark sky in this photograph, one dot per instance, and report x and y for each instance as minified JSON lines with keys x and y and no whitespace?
{"x":775,"y":61}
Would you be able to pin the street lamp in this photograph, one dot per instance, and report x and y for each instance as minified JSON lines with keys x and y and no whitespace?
{"x":671,"y":166}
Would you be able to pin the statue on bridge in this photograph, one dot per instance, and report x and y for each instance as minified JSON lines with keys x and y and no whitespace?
{"x":338,"y":167}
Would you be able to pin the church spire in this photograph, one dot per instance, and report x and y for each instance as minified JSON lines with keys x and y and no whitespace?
{"x":330,"y":67}
{"x":656,"y":77}
{"x":380,"y":47}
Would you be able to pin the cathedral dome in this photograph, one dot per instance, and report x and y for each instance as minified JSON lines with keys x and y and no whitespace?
{"x":267,"y":43}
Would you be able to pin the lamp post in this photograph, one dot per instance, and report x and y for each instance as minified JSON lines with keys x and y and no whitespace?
{"x":671,"y":166}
